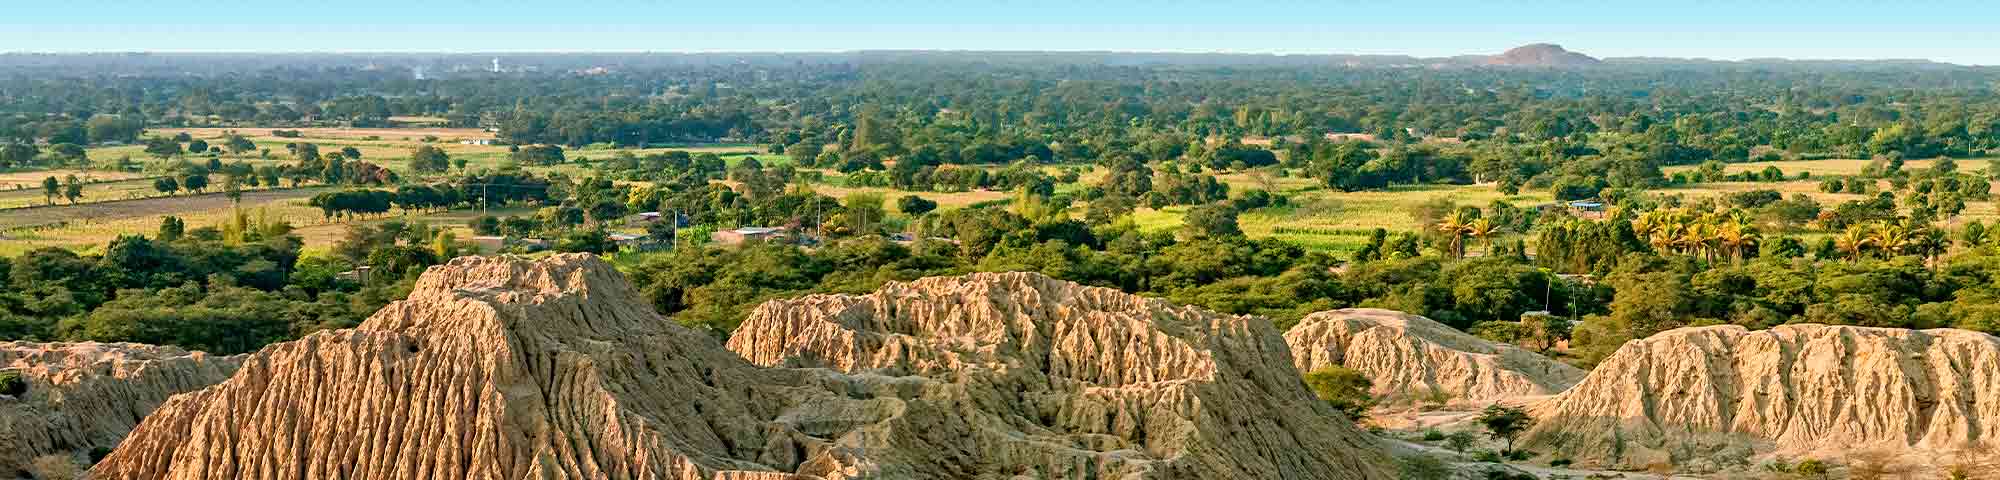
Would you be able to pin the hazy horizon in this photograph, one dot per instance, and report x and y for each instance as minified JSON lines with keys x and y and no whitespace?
{"x":1947,"y":31}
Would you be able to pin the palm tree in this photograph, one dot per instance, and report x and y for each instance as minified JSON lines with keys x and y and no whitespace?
{"x":1890,"y":238}
{"x":1930,"y":243}
{"x":1853,"y":241}
{"x":1454,"y":228}
{"x":1646,"y":224}
{"x":1734,"y":238}
{"x":1483,"y":230}
{"x":1695,"y":238}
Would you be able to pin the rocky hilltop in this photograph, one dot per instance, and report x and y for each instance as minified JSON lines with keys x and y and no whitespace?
{"x":1409,"y":356}
{"x":86,"y":396}
{"x":1690,"y":395}
{"x":508,"y":368}
{"x":1042,"y":369}
{"x":1542,"y":55}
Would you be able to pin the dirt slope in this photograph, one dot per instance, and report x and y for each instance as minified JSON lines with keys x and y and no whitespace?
{"x":1043,"y":369}
{"x":83,"y":396}
{"x":1409,"y":356}
{"x":1707,"y":395}
{"x":506,"y":368}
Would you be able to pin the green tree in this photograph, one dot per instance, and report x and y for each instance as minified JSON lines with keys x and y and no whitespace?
{"x":51,"y":188}
{"x":1347,"y":390}
{"x":166,"y":185}
{"x":913,"y":205}
{"x":195,"y":181}
{"x":1211,"y":221}
{"x":586,"y":240}
{"x":863,"y":212}
{"x":1459,"y":441}
{"x":17,"y":154}
{"x":162,"y":148}
{"x":429,"y":159}
{"x":239,"y":145}
{"x":171,"y":228}
{"x":1505,"y":423}
{"x":72,"y":189}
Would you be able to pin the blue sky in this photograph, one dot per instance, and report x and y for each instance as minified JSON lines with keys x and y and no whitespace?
{"x":1945,"y":30}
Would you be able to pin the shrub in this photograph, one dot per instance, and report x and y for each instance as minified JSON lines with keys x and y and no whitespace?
{"x":12,"y":384}
{"x":1812,"y":468}
{"x":1433,"y":435}
{"x":1459,"y":441}
{"x":1423,"y":467}
{"x":1346,"y":389}
{"x":1487,"y":456}
{"x":55,"y":467}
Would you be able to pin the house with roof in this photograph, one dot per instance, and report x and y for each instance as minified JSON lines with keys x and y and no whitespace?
{"x":737,"y":236}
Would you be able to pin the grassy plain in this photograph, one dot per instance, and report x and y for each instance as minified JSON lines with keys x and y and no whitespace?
{"x":125,"y":203}
{"x":1339,"y":222}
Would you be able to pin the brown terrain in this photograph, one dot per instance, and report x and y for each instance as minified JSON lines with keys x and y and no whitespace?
{"x":1542,"y":55}
{"x":1709,"y":397}
{"x":1410,"y":357}
{"x":509,"y":368}
{"x":86,"y":396}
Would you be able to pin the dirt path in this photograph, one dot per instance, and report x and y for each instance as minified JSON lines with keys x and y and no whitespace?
{"x":1538,"y":471}
{"x":148,"y":207}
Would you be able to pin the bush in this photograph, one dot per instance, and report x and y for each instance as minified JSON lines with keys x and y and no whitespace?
{"x":1423,"y":467}
{"x":1459,"y":441}
{"x":1345,"y":389}
{"x":55,"y":467}
{"x":1812,"y":468}
{"x":12,"y":384}
{"x":1433,"y":435}
{"x":1487,"y":456}
{"x":913,"y":205}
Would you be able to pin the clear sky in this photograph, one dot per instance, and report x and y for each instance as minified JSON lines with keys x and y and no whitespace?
{"x":1959,"y":31}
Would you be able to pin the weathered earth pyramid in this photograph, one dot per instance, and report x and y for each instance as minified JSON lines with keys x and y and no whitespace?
{"x":503,"y":368}
{"x":1409,"y":356}
{"x":1689,"y":393}
{"x":1074,"y":381}
{"x":86,"y":396}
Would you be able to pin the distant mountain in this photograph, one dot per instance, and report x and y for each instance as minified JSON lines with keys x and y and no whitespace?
{"x":1542,"y":55}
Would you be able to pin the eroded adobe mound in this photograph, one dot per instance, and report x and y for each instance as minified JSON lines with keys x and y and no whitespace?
{"x":1542,"y":55}
{"x":1409,"y":356}
{"x":85,"y":396}
{"x":1690,"y":394}
{"x":506,"y":368}
{"x":1041,"y":368}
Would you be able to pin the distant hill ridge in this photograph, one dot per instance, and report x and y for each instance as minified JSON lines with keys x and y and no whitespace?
{"x":1542,"y":55}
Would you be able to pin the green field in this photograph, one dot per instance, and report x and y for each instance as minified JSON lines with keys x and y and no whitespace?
{"x":1340,"y":222}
